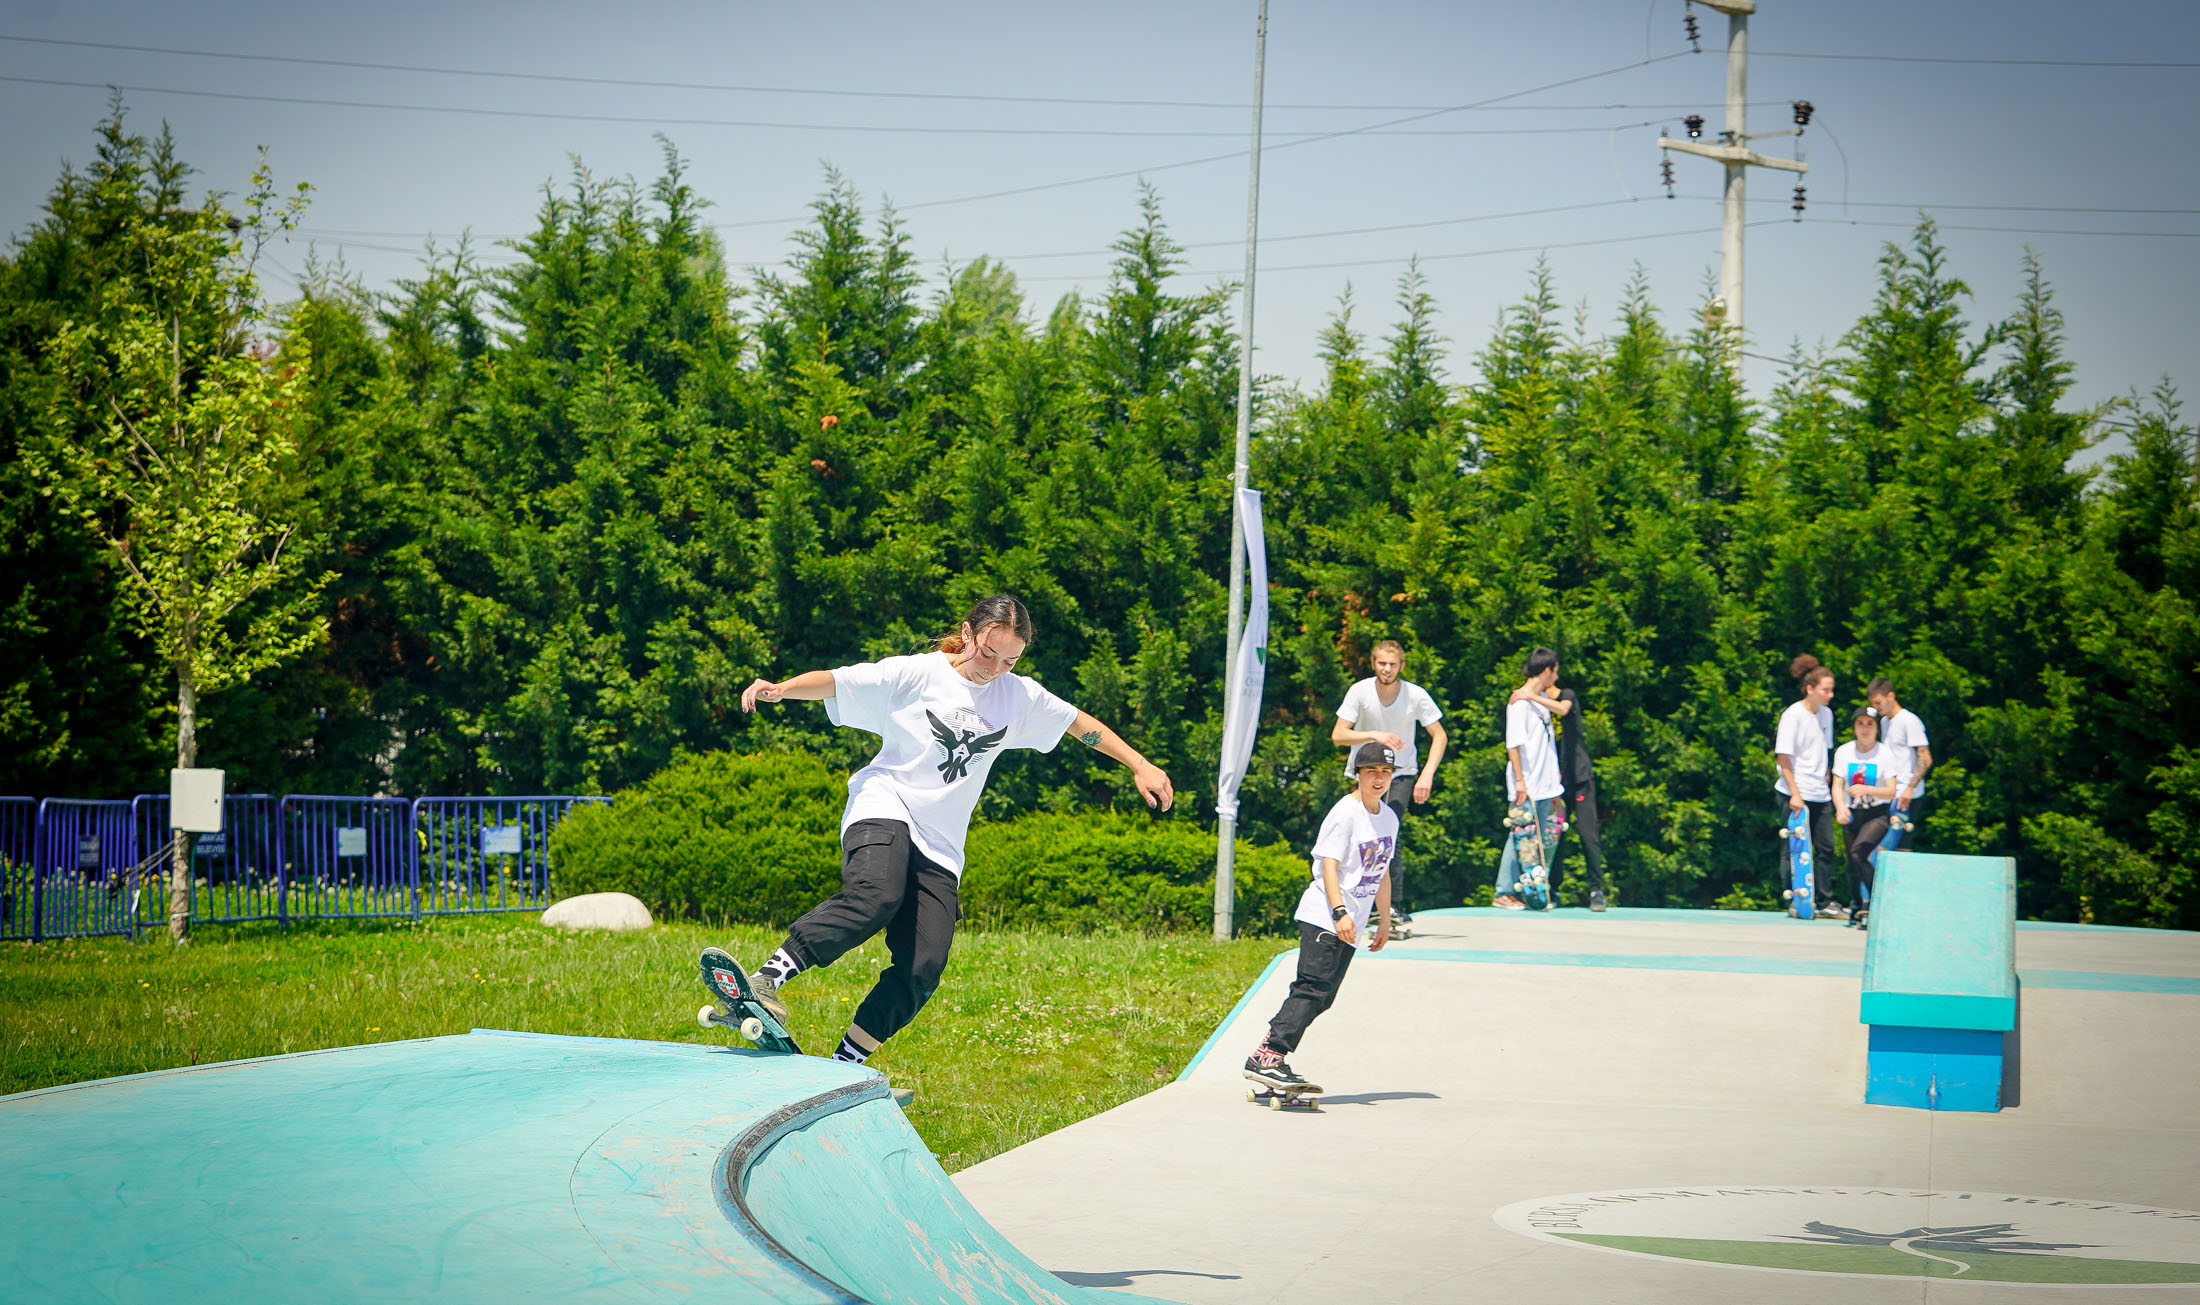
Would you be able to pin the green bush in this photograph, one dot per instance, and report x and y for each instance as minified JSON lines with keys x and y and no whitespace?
{"x":756,"y":839}
{"x":1099,"y":869}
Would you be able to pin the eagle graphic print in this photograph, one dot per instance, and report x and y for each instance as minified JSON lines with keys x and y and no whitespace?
{"x":961,"y":747}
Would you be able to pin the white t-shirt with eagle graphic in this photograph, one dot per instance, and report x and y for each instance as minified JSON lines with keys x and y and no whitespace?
{"x":1362,"y":843}
{"x":939,"y":737}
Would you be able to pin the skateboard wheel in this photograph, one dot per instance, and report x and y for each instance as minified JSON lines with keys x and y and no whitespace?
{"x":1252,"y":1094}
{"x":702,"y":1016}
{"x":1275,"y":1103}
{"x":752,"y":1028}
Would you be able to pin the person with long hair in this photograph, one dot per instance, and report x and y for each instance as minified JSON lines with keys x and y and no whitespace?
{"x":943,"y":718}
{"x":1803,"y":749}
{"x":1866,"y":773}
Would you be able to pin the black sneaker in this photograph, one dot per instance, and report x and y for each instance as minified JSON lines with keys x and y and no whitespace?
{"x":1596,"y":899}
{"x":1271,"y":1070}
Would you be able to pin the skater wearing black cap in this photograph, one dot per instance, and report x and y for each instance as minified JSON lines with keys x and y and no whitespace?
{"x":1350,"y":864}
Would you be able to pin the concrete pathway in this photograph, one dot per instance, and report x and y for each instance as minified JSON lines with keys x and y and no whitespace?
{"x":1701,"y":1073}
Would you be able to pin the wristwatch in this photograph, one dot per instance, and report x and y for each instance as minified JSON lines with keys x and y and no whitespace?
{"x":1339,"y":912}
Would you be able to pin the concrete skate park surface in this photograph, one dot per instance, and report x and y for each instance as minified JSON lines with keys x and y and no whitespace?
{"x":491,"y":1168}
{"x":1644,"y":1106}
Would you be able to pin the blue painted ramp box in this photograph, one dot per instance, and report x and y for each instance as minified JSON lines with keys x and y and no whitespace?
{"x":1940,"y":980}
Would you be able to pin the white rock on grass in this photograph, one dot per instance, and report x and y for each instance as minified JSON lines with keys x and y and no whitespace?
{"x":620,"y":912}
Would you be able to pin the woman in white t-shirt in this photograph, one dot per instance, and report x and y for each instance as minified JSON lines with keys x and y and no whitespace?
{"x":943,"y":718}
{"x":1800,"y":749}
{"x":1865,"y":773}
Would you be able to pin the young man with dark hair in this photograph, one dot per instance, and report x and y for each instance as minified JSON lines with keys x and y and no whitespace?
{"x":1531,"y":771}
{"x":1901,"y":731}
{"x":1579,"y":802}
{"x":1384,"y":708}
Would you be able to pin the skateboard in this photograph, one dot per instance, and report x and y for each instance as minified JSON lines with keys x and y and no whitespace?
{"x":1401,"y":927}
{"x":1534,"y":881}
{"x":1801,"y":895}
{"x":1306,"y":1096}
{"x":736,"y":1006}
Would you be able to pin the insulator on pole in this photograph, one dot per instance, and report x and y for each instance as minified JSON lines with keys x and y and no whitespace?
{"x":1694,"y":123}
{"x":1665,"y":168}
{"x":1695,"y":37}
{"x":1799,"y":201}
{"x":1803,"y":110}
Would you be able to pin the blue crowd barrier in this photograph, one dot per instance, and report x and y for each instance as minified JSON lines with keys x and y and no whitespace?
{"x":486,"y":854}
{"x":18,"y":826}
{"x":76,"y":868}
{"x":349,"y":858}
{"x":82,"y":854}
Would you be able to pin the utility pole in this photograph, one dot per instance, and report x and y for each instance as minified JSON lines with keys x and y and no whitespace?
{"x":1733,"y":151}
{"x":1226,"y":825}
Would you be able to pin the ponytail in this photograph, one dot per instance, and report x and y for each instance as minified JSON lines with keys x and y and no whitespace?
{"x":1001,"y":610}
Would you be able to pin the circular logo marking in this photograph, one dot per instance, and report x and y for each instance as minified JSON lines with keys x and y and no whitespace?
{"x":1883,"y":1232}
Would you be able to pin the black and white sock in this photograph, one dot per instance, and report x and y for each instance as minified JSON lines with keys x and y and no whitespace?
{"x":850,"y":1052}
{"x":781,"y":967}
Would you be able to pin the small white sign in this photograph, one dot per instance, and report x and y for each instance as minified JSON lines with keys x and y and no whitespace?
{"x":351,"y":840}
{"x":497,"y":839}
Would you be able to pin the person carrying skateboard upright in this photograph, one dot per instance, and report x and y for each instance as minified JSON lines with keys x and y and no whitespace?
{"x":1902,"y":731}
{"x":943,"y":718}
{"x":1384,"y":708}
{"x":1801,"y":749}
{"x":1578,"y":770}
{"x":1350,"y":862}
{"x":1531,"y":767}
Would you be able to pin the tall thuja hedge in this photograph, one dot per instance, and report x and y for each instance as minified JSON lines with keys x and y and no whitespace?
{"x":574,"y":503}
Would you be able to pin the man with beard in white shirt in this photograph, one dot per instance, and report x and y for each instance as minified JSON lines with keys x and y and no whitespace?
{"x":943,"y":718}
{"x":1386,"y":708}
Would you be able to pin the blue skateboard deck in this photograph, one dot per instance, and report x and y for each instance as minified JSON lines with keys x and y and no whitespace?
{"x":737,"y":1007}
{"x":1802,"y":890}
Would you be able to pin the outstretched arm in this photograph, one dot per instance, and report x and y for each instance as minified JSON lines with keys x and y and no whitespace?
{"x":811,"y":686}
{"x":1152,"y":784}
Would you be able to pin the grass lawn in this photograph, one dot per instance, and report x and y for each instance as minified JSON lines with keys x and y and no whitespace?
{"x":1027,"y":1033}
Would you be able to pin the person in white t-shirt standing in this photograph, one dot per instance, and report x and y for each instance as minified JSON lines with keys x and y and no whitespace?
{"x":1801,"y":750}
{"x":1384,"y":708}
{"x":1532,"y":776}
{"x":1357,"y":845}
{"x":1865,"y":779}
{"x":943,"y":718}
{"x":1901,"y":730}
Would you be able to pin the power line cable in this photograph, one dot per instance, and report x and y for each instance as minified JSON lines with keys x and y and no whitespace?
{"x":2014,"y":63}
{"x":662,"y":120}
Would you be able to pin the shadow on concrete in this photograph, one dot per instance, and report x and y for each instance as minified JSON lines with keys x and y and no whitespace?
{"x":1375,"y":1098}
{"x":1123,"y":1277}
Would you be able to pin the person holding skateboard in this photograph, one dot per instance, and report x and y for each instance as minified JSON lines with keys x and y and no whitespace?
{"x":1578,"y":770}
{"x":1864,"y":782}
{"x":1352,"y":855}
{"x":1902,"y":731}
{"x":1800,"y":749}
{"x":943,"y":718}
{"x":1384,"y":708}
{"x":1531,"y":769}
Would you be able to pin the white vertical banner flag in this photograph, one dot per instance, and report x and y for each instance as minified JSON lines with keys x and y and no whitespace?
{"x":1242,"y":715}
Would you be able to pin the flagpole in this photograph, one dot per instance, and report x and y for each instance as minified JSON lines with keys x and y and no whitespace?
{"x":1226,"y":827}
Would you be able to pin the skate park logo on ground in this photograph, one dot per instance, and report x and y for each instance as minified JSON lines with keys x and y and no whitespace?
{"x":1992,"y":1237}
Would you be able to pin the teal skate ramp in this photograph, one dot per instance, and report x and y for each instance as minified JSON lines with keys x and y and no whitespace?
{"x":493,"y":1167}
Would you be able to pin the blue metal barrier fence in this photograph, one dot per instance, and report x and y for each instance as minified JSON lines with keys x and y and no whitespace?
{"x":77,"y":868}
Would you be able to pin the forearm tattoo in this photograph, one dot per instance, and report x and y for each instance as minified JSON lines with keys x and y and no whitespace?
{"x":1090,"y":738}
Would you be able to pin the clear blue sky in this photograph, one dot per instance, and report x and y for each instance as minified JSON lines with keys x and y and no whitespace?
{"x":2007,"y":145}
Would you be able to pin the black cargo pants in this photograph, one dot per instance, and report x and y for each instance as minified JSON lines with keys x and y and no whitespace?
{"x":885,"y":883}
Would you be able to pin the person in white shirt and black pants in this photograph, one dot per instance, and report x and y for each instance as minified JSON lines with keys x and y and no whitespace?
{"x":943,"y":718}
{"x":1803,"y":749}
{"x":1352,"y":854}
{"x":1902,"y":731}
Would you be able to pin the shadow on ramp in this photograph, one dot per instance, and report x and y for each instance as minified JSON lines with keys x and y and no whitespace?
{"x":1376,"y":1098}
{"x":1123,"y":1277}
{"x":494,"y":1167}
